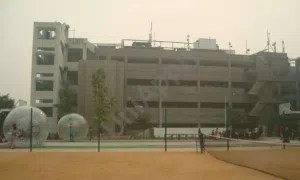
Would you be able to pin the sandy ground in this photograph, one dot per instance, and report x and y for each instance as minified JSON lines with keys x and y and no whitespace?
{"x":283,"y":163}
{"x":115,"y":165}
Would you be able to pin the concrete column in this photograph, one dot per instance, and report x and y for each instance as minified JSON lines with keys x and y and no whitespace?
{"x":125,"y":88}
{"x":198,"y":92}
{"x":160,"y":114}
{"x":125,"y":84}
{"x":84,"y":51}
{"x":229,"y":98}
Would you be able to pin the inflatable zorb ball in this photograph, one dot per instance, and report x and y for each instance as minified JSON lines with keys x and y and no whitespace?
{"x":77,"y":122}
{"x":20,"y":118}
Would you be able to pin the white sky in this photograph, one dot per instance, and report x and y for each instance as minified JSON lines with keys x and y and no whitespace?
{"x":109,"y":21}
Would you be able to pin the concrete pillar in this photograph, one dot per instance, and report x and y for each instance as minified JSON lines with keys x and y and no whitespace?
{"x":84,"y":51}
{"x":198,"y":92}
{"x":125,"y":86}
{"x":229,"y":98}
{"x":160,"y":113}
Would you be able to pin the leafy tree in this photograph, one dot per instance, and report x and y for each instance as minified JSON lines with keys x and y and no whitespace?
{"x":142,"y":121}
{"x":236,"y":116}
{"x":67,"y":101}
{"x":101,"y":102}
{"x":67,"y":96}
{"x":139,"y":124}
{"x":6,"y":102}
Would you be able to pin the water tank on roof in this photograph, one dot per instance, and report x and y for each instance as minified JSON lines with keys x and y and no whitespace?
{"x":202,"y":43}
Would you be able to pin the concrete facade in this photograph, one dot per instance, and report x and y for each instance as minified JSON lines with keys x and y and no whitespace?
{"x":198,"y":80}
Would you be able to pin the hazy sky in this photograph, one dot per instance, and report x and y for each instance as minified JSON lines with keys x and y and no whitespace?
{"x":108,"y":21}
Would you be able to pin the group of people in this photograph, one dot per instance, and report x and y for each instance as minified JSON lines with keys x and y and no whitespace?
{"x":286,"y":134}
{"x":53,"y":136}
{"x":247,"y":133}
{"x":19,"y":133}
{"x":218,"y":133}
{"x":253,"y":133}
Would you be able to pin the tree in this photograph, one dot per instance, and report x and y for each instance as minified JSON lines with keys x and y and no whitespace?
{"x":6,"y":102}
{"x":101,"y":102}
{"x":139,"y":124}
{"x":67,"y":96}
{"x":67,"y":101}
{"x":236,"y":116}
{"x":142,"y":121}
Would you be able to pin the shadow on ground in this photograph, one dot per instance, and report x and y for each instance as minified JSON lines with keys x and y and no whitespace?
{"x":281,"y":163}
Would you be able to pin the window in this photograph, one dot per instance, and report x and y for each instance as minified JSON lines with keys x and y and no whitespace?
{"x":46,"y":34}
{"x":143,"y":60}
{"x":118,"y":58}
{"x":150,"y":104}
{"x":241,"y":85}
{"x":170,"y":61}
{"x":39,"y":75}
{"x":45,"y":49}
{"x":178,"y":83}
{"x":188,"y":83}
{"x":142,"y":82}
{"x":179,"y":105}
{"x":44,"y":85}
{"x":213,"y":105}
{"x":190,"y":62}
{"x":47,"y":110}
{"x":166,"y":82}
{"x":213,"y":63}
{"x":45,"y":59}
{"x":74,"y":55}
{"x":62,"y":48}
{"x":44,"y":101}
{"x":220,"y":84}
{"x":72,"y":77}
{"x":102,"y":58}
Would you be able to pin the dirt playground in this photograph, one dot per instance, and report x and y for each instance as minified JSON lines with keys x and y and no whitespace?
{"x":124,"y":166}
{"x":282,"y":163}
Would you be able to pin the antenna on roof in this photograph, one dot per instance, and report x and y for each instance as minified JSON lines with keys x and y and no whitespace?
{"x":247,"y":50}
{"x":274,"y":46}
{"x":188,"y":42}
{"x":268,"y":46}
{"x":230,"y":45}
{"x":150,"y":34}
{"x":154,"y":39}
{"x":283,"y":46}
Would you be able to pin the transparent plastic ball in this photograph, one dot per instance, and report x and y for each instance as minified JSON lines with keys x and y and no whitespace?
{"x":20,"y":117}
{"x":78,"y":124}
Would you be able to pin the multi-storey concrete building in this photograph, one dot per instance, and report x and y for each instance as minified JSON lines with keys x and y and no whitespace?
{"x":195,"y":82}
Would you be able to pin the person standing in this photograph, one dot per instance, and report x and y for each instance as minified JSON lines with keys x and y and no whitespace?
{"x":71,"y":133}
{"x":217,"y":132}
{"x":36,"y":132}
{"x":286,"y":137}
{"x":201,"y":138}
{"x":91,"y":133}
{"x":281,"y":131}
{"x":293,"y":134}
{"x":13,"y":137}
